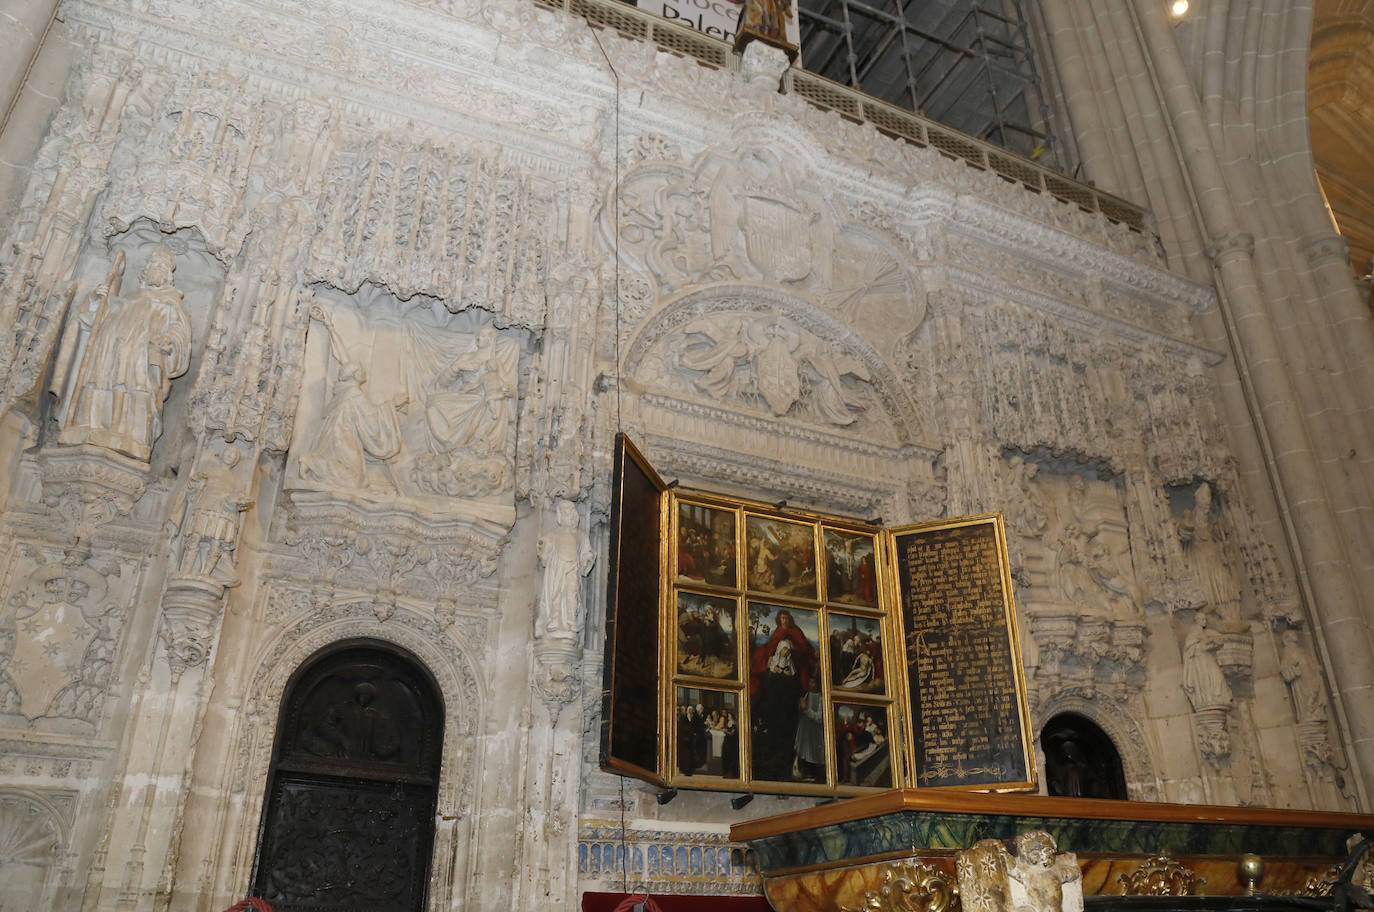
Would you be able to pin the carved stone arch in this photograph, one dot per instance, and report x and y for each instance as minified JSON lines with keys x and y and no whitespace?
{"x":1142,"y":780}
{"x":763,"y":300}
{"x":444,"y":655}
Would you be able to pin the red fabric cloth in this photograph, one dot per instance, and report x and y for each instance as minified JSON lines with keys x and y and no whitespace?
{"x":673,"y":902}
{"x":253,"y":903}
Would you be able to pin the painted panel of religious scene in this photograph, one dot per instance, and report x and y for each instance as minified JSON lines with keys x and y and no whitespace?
{"x":782,"y":556}
{"x":862,"y":751}
{"x":707,"y":737}
{"x":706,"y":636}
{"x":851,"y":572}
{"x":787,"y":712}
{"x":856,"y":653}
{"x":705,"y":545}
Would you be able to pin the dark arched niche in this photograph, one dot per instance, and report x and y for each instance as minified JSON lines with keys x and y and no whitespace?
{"x":1080,"y":759}
{"x":348,"y":818}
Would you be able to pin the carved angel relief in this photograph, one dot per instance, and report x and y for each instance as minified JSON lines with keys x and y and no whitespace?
{"x":402,"y":406}
{"x":770,"y":363}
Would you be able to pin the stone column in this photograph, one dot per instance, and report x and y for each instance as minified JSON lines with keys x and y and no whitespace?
{"x":1319,"y":553}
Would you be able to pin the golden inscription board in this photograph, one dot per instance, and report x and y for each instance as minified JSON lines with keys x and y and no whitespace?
{"x":964,"y":683}
{"x":790,"y":658}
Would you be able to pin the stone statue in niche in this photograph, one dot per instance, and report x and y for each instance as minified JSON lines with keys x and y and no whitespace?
{"x":1303,"y":677}
{"x":1025,"y":502}
{"x":566,"y":556}
{"x":1198,"y":532}
{"x":354,"y":426}
{"x":210,"y":511}
{"x":1203,"y":680}
{"x":119,"y":357}
{"x":770,"y":362}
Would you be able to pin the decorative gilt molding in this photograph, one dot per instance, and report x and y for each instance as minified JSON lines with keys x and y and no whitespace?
{"x":1160,"y":875}
{"x":910,"y":885}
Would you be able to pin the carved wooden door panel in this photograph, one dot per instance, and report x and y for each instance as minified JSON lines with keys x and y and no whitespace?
{"x":348,"y":819}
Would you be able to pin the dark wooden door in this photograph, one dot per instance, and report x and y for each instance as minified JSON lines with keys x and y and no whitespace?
{"x":348,"y":819}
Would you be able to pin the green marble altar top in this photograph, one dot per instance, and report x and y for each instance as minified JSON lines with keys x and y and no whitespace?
{"x":903,"y":820}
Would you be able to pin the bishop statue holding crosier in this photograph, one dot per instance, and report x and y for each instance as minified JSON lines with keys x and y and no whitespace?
{"x":118,"y":358}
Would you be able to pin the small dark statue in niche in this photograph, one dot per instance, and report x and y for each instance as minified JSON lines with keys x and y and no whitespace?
{"x":1080,"y":760}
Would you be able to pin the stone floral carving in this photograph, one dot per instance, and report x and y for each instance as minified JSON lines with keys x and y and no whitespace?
{"x":1160,"y":875}
{"x":191,"y":610}
{"x":771,"y":363}
{"x":118,"y":360}
{"x":566,"y":555}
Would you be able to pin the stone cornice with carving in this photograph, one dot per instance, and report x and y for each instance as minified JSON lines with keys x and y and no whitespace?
{"x":394,"y":68}
{"x":980,"y":289}
{"x":451,"y":69}
{"x":816,"y":488}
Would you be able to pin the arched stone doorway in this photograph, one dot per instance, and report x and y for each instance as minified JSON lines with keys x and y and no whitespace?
{"x":1080,"y":759}
{"x":348,"y":819}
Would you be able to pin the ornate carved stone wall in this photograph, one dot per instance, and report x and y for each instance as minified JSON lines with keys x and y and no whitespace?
{"x":323,"y":325}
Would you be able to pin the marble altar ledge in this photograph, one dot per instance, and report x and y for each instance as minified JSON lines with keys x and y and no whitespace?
{"x":831,"y":856}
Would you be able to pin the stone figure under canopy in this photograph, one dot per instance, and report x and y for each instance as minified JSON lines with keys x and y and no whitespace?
{"x":119,"y":357}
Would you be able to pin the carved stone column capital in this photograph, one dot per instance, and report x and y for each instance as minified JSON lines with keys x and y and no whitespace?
{"x":1224,"y":249}
{"x":1332,"y":248}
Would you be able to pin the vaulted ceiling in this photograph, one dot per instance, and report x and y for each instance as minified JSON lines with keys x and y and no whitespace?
{"x":1340,"y":103}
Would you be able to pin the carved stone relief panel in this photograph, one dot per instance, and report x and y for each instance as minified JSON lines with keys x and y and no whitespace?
{"x":408,"y":406}
{"x":752,"y":214}
{"x":462,"y":227}
{"x":61,"y":627}
{"x":723,"y":374}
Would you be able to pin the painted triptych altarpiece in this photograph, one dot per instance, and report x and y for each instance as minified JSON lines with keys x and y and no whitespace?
{"x":752,"y":648}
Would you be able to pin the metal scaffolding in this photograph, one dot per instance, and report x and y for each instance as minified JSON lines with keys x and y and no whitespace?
{"x":966,"y":64}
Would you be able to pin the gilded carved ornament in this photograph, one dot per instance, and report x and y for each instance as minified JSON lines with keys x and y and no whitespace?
{"x":910,"y":885}
{"x":1160,"y":875}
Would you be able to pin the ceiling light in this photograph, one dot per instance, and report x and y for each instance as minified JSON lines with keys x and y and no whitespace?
{"x":1178,"y":8}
